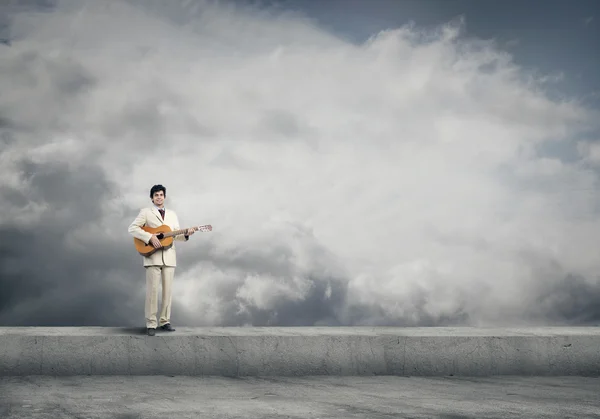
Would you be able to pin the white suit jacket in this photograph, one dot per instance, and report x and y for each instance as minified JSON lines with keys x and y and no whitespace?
{"x":151,"y":217}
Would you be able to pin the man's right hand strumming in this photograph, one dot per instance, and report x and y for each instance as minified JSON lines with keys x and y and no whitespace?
{"x":155,"y":242}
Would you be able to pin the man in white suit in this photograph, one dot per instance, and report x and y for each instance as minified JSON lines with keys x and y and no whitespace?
{"x":161,"y":264}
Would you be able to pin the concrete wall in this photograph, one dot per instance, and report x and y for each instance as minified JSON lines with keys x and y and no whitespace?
{"x":301,"y":351}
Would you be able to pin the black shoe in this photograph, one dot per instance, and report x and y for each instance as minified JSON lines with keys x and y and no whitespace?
{"x":151,"y":331}
{"x":167,"y":327}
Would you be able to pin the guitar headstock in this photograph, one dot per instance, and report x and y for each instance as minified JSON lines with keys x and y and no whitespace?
{"x":204,"y":228}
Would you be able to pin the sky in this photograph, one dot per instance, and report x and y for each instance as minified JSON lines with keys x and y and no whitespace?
{"x":556,"y":38}
{"x":377,"y":164}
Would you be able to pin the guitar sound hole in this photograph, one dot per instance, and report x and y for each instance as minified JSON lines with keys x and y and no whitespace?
{"x":160,"y":236}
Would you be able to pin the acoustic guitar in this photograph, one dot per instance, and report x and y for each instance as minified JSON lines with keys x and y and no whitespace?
{"x":165,"y":235}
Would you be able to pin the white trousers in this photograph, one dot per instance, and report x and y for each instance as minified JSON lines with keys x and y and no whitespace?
{"x":154,"y":274}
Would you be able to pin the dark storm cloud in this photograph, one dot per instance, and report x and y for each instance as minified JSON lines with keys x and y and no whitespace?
{"x":41,"y":93}
{"x":573,"y":301}
{"x":45,"y":278}
{"x":52,"y":273}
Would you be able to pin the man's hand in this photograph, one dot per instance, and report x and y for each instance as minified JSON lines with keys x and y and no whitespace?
{"x":155,"y":242}
{"x":190,"y":231}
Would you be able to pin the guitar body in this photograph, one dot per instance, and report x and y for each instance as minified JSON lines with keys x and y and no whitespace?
{"x":165,"y":235}
{"x":148,"y":249}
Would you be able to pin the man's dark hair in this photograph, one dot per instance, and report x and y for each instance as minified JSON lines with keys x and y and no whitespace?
{"x":157,"y":188}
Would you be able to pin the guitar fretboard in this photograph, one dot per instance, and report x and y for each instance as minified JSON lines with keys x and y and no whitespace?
{"x":178,"y":232}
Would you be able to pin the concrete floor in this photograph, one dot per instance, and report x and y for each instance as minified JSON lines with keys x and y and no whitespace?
{"x":166,"y":397}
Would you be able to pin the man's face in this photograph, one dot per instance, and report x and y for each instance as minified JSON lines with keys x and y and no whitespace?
{"x":158,"y":198}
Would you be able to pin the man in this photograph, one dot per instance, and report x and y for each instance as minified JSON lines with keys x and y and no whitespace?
{"x":161,"y":264}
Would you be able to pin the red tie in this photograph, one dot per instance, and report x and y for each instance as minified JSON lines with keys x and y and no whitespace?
{"x":162,"y":213}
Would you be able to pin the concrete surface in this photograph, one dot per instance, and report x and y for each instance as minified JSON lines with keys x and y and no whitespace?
{"x":309,"y":397}
{"x":304,"y":351}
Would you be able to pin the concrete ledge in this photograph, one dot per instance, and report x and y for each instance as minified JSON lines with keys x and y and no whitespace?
{"x":300,"y":351}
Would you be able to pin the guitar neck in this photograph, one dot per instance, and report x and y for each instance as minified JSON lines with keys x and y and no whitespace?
{"x":175,"y":233}
{"x":182,"y":231}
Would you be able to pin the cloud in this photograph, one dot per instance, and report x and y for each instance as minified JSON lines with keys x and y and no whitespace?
{"x":420,"y":178}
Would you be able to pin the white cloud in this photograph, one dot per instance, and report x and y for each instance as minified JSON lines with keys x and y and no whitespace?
{"x":407,"y":165}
